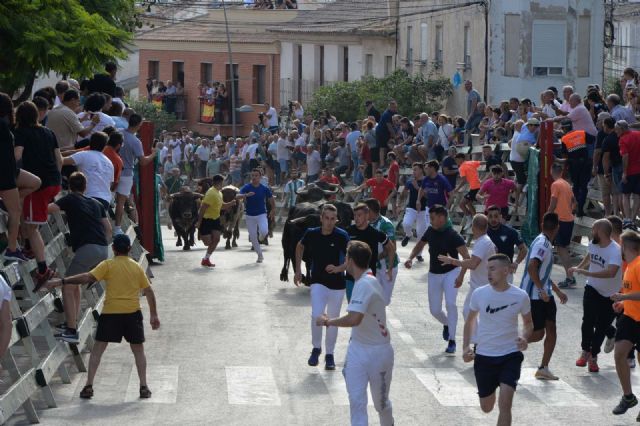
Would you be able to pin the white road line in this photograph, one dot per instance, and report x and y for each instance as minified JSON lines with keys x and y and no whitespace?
{"x":448,"y":386}
{"x":334,"y":381}
{"x":554,"y":393}
{"x":251,"y":386}
{"x":163,"y":382}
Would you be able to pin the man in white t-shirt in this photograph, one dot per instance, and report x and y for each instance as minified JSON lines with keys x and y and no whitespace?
{"x":272,"y":118}
{"x":175,"y":145}
{"x":283,"y":154}
{"x":370,"y":356}
{"x":604,"y":279}
{"x":483,"y":249}
{"x":96,"y":167}
{"x":202,"y":155}
{"x":498,"y":355}
{"x":314,"y":163}
{"x":538,"y":285}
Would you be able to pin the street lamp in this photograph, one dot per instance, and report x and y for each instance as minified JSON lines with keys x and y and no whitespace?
{"x":231,"y":73}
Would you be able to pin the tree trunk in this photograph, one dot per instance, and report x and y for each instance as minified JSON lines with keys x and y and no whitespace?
{"x":28,"y":87}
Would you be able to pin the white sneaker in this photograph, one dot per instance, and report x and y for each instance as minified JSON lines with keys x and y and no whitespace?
{"x":545,"y":374}
{"x":609,"y":344}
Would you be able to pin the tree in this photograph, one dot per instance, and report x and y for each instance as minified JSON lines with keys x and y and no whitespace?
{"x":161,"y":119}
{"x":62,"y":36}
{"x":414,"y":93}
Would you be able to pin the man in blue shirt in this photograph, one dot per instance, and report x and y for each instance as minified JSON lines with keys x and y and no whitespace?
{"x":435,"y":187}
{"x":256,"y":196}
{"x":384,"y":132}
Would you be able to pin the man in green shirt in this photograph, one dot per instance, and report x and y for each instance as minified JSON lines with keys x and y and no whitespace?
{"x":383,"y":224}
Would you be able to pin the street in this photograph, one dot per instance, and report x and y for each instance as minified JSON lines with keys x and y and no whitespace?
{"x":233,"y":347}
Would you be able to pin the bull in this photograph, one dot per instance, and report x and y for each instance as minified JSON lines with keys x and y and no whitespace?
{"x":230,"y":218}
{"x":301,"y":217}
{"x":183,"y":211}
{"x":315,"y":192}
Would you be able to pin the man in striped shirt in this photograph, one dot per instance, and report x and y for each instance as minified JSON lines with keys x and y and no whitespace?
{"x":291,"y":188}
{"x":537,"y":283}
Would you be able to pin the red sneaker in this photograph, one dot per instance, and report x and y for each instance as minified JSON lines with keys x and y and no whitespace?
{"x":584,"y":358}
{"x":593,"y":365}
{"x":207,"y":263}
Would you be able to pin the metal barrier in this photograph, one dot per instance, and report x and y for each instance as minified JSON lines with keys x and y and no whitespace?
{"x":34,"y":356}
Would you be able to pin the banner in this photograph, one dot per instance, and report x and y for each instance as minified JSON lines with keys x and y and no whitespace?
{"x":157,"y":101}
{"x":207,"y":111}
{"x":530,"y":228}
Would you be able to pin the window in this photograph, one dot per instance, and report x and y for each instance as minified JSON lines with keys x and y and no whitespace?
{"x":584,"y":45}
{"x":466,"y":49}
{"x":345,"y":63}
{"x":388,"y":65}
{"x":368,"y":64}
{"x":177,"y":72}
{"x":424,"y":43}
{"x":439,"y":55}
{"x":259,"y":82}
{"x":511,"y":45}
{"x":409,"y":59}
{"x":206,"y":73}
{"x":154,"y":70}
{"x":548,"y":47}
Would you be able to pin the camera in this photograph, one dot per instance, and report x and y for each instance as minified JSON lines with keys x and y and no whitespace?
{"x":261,"y":117}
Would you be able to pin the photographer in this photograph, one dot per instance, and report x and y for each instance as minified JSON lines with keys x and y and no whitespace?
{"x":272,"y":118}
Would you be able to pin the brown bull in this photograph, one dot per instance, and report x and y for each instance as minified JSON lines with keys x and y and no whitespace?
{"x":230,"y":218}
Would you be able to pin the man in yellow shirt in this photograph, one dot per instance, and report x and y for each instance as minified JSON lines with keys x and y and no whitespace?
{"x":121,"y":315}
{"x":209,"y":218}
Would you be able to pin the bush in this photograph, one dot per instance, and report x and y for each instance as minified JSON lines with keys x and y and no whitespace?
{"x":161,"y":119}
{"x":414,"y":94}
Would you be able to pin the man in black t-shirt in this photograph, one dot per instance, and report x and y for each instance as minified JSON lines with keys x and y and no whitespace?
{"x":442,"y":279}
{"x":363,"y":231}
{"x":327,"y":246}
{"x":450,"y":167}
{"x":505,"y":238}
{"x":90,"y":231}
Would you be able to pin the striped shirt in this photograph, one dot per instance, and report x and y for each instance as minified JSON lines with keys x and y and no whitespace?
{"x":290,"y":190}
{"x":541,"y":249}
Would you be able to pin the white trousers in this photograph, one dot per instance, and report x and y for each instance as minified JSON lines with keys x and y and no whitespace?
{"x":419,"y":219}
{"x":387,"y":286}
{"x":372,"y":366}
{"x":257,"y":225}
{"x":325,"y":300}
{"x":437,"y":286}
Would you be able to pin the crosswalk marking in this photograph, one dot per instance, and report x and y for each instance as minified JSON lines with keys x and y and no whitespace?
{"x":251,"y":386}
{"x":554,"y":393}
{"x":448,"y":386}
{"x":163,"y":382}
{"x":334,"y":381}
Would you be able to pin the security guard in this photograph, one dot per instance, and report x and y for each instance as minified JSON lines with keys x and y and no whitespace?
{"x":574,"y":147}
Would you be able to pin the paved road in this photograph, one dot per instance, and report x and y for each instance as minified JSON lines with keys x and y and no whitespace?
{"x":233,"y":346}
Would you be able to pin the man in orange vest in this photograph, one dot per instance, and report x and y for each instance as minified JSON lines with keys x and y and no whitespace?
{"x":574,"y":146}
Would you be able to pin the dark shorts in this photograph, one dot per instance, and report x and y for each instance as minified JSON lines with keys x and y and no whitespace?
{"x":627,"y":329}
{"x":382,"y":142}
{"x":632,"y":186}
{"x":491,"y":371}
{"x":565,"y":232}
{"x":113,"y":327}
{"x":471,"y":195}
{"x":207,"y":226}
{"x":504,"y":211}
{"x":375,"y":154}
{"x":543,"y":312}
{"x":519,"y":168}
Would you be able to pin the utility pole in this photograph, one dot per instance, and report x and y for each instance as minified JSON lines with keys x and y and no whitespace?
{"x":231,"y":72}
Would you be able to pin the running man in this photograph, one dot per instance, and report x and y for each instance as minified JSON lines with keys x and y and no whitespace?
{"x":328,"y":246}
{"x":435,"y":187}
{"x":468,"y":170}
{"x":382,"y":189}
{"x":505,"y":239}
{"x":369,"y":359}
{"x":563,"y":203}
{"x":537,"y":283}
{"x":413,"y":216}
{"x":256,"y":197}
{"x":208,"y":223}
{"x":388,"y":268}
{"x":604,"y":278}
{"x":121,"y":315}
{"x":498,"y":355}
{"x":627,"y":304}
{"x":442,"y":279}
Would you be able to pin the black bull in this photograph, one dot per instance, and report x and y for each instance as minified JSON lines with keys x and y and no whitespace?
{"x":230,"y":218}
{"x":302,"y":217}
{"x":183,"y":211}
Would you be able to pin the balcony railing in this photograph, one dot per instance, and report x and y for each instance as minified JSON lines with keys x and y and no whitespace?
{"x":173,"y":104}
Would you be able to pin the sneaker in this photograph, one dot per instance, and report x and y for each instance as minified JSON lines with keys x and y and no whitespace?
{"x":405,"y":241}
{"x":631,"y":362}
{"x":593,"y":365}
{"x":545,"y":374}
{"x":609,"y":344}
{"x":207,"y":263}
{"x":41,"y":279}
{"x":260,"y":259}
{"x":451,"y":347}
{"x":571,"y":282}
{"x":420,"y":258}
{"x":583,"y":360}
{"x":313,"y":359}
{"x":86,"y":392}
{"x":68,"y":337}
{"x":15,"y":255}
{"x":145,"y":392}
{"x":329,"y":363}
{"x":445,"y":333}
{"x":563,"y":284}
{"x":624,"y":404}
{"x":61,"y":327}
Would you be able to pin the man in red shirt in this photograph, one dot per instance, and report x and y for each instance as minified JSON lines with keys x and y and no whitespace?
{"x":497,"y":191}
{"x":630,"y":151}
{"x":381,"y":189}
{"x":329,"y":177}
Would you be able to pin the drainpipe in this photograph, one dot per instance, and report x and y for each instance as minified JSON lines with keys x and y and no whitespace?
{"x":485,"y":5}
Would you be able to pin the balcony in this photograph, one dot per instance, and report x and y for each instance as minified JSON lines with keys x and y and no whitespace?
{"x":172,"y":104}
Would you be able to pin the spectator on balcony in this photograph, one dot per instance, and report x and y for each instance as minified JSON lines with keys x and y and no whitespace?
{"x":221,"y":106}
{"x":149,"y":87}
{"x":180,"y":104}
{"x":170,"y":98}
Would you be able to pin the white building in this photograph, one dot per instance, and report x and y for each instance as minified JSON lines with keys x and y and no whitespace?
{"x":625,"y":51}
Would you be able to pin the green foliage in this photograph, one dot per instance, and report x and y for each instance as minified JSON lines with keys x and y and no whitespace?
{"x":612,"y":85}
{"x":43,"y":36}
{"x":161,"y":119}
{"x":414,"y":93}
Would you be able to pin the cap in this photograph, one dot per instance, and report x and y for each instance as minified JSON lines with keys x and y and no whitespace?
{"x":533,"y":121}
{"x":121,"y":242}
